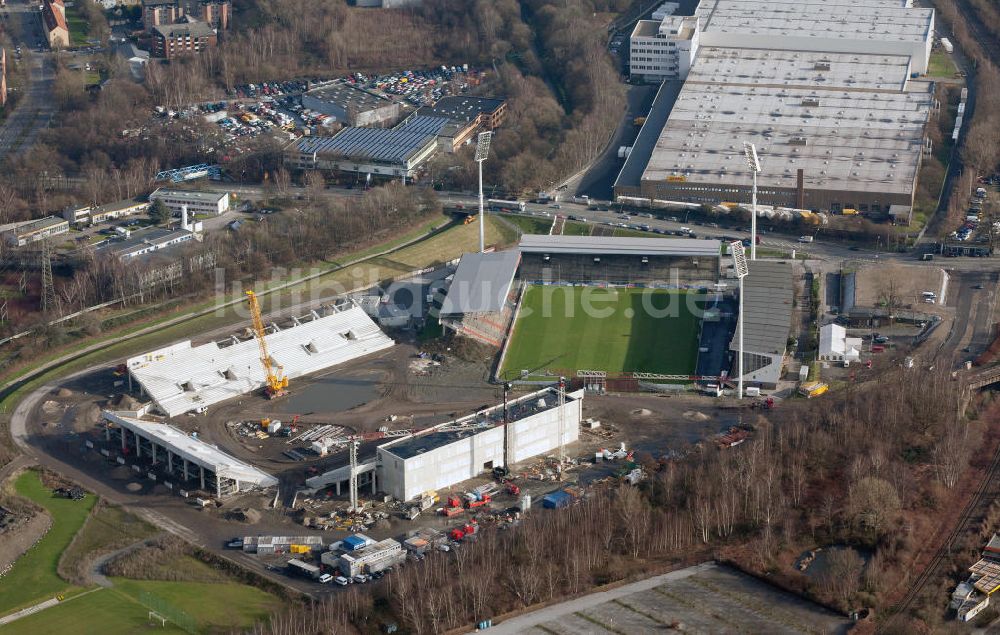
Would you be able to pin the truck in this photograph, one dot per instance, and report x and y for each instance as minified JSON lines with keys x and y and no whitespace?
{"x":948,"y":47}
{"x":813,"y":389}
{"x":500,"y":205}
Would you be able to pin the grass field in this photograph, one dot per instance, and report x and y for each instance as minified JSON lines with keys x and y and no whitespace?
{"x":33,"y":577}
{"x":217,"y":607}
{"x":621,"y":332}
{"x":107,"y":529}
{"x":940,"y":65}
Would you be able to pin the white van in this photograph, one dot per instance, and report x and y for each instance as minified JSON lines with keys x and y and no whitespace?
{"x":805,"y":239}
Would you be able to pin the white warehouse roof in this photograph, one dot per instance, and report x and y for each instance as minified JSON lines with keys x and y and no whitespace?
{"x":194,"y":450}
{"x":882,"y":20}
{"x":852,"y":141}
{"x":804,"y":69}
{"x":182,"y":377}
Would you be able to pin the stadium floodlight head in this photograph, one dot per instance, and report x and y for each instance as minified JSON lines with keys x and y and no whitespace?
{"x":483,"y":145}
{"x":739,"y":259}
{"x":750,"y":152}
{"x":742,"y":269}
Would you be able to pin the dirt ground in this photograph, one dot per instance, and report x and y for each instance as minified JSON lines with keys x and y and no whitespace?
{"x":17,"y":537}
{"x":877,"y":281}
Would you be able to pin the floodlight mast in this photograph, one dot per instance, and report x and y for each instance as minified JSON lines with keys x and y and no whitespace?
{"x":741,"y":269}
{"x":750,"y":152}
{"x":482,"y":151}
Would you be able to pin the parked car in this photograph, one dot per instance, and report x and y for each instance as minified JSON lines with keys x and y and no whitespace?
{"x":341,"y":581}
{"x":325,"y":578}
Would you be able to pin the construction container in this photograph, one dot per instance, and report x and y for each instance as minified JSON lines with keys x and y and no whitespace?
{"x":357,"y":541}
{"x":273,"y":427}
{"x":556,"y":500}
{"x":300,"y":549}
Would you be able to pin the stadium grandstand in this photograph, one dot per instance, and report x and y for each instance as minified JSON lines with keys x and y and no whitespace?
{"x":480,"y":300}
{"x":190,"y":462}
{"x":767,"y":320}
{"x":619,"y":260}
{"x":184,"y":378}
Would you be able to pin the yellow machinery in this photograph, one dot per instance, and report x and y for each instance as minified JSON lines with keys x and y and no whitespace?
{"x":276,"y":380}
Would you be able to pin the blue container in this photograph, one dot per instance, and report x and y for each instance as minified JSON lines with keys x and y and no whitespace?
{"x":353,"y":543}
{"x":556,"y":500}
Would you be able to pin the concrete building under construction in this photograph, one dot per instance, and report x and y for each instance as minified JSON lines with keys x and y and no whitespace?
{"x":462,"y":449}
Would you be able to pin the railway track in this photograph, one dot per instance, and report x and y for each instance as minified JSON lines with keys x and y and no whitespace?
{"x":972,"y":515}
{"x":978,"y":31}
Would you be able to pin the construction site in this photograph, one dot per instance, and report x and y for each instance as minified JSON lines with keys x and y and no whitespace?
{"x":300,"y":430}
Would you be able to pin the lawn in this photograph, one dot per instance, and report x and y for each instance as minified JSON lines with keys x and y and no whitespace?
{"x":529,"y":224}
{"x":941,"y":65}
{"x":575,"y":228}
{"x":213,"y":607}
{"x":33,"y":577}
{"x":78,"y":28}
{"x":565,"y":329}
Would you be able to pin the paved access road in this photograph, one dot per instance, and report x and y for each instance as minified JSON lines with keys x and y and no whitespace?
{"x":36,"y":105}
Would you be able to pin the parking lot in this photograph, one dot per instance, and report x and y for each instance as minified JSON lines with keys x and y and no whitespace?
{"x":275,"y":108}
{"x":702,"y":599}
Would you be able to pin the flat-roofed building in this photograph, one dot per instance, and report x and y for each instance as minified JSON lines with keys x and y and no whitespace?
{"x":820,"y":70}
{"x":88,"y":215}
{"x":188,"y":36}
{"x":379,"y":152}
{"x":665,"y":49}
{"x":148,"y":241}
{"x":23,"y":233}
{"x":819,"y":149}
{"x":890,"y":27}
{"x":352,"y":106}
{"x":196,"y":201}
{"x":464,"y":448}
{"x":487,"y":112}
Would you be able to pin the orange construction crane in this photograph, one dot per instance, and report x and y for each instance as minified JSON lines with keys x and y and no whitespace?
{"x":276,"y":381}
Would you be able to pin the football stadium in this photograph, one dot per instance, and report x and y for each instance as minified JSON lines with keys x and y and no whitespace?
{"x":617,"y":306}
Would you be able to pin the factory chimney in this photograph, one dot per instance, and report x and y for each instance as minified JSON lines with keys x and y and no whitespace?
{"x":184,"y":217}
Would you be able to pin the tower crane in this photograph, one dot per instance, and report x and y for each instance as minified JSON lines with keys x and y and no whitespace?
{"x":276,"y":383}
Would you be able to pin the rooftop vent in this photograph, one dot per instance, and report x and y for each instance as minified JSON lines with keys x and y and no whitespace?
{"x":810,"y":102}
{"x":797,"y":141}
{"x":822,"y":66}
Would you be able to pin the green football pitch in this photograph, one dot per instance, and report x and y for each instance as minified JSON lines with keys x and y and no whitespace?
{"x":564,"y":329}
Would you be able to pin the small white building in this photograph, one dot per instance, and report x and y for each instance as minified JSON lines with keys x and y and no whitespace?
{"x":835,"y":346}
{"x":20,"y":234}
{"x":660,"y":50}
{"x":196,"y":201}
{"x":367,"y":560}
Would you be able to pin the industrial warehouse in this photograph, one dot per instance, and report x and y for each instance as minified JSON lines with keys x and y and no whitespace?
{"x":184,"y":378}
{"x":831,"y":109}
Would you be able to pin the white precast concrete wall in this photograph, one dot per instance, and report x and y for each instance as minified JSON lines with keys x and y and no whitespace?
{"x":445,"y":463}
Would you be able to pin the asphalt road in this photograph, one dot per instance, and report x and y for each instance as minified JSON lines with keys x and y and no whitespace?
{"x":36,"y":106}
